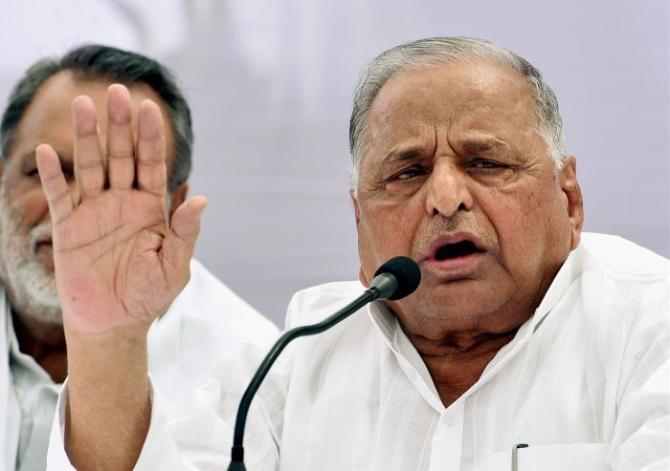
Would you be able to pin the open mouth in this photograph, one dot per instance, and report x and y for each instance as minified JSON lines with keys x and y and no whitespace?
{"x":458,"y":249}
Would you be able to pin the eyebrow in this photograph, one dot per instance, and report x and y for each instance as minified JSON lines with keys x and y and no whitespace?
{"x":402,"y":155}
{"x":469,"y":146}
{"x":473,"y":146}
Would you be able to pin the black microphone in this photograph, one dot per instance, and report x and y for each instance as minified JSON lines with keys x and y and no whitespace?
{"x":395,"y":279}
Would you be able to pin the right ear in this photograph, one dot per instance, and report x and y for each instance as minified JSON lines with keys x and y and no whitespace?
{"x":363,"y":279}
{"x":357,"y":212}
{"x":357,"y":207}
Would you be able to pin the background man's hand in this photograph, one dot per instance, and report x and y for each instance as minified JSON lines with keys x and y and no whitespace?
{"x":119,"y":262}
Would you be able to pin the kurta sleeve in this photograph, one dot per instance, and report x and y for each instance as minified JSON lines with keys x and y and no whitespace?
{"x":201,"y":439}
{"x":159,"y":450}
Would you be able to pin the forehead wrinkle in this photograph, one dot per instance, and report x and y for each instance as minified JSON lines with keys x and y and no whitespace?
{"x":418,"y":146}
{"x":401,"y":154}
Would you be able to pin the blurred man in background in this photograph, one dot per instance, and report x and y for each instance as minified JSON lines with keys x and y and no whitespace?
{"x":202,"y":323}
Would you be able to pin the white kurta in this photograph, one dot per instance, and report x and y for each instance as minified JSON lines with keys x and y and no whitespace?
{"x":204,"y":322}
{"x":585,"y":383}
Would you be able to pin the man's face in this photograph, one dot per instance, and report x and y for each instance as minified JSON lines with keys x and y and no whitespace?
{"x":26,"y":259}
{"x":456,"y":175}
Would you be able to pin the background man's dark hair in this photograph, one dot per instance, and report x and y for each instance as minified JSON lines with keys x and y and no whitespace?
{"x":93,"y":62}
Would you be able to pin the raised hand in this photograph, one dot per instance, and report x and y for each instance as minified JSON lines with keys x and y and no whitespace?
{"x":119,"y":262}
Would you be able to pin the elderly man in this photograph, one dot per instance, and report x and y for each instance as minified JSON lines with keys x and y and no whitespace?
{"x":527,"y":344}
{"x":204,"y":321}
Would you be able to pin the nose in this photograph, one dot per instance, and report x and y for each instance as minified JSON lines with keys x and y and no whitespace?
{"x":448,"y":191}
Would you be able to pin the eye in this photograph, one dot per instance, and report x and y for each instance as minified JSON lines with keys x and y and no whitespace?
{"x":490,"y":172}
{"x":484,"y":164}
{"x":409,"y":173}
{"x":29,"y":166}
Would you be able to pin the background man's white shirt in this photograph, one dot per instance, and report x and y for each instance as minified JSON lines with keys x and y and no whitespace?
{"x":585,"y":380}
{"x":203,"y":323}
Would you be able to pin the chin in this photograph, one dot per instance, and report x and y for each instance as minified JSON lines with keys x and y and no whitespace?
{"x":465,"y":303}
{"x":47,"y":315}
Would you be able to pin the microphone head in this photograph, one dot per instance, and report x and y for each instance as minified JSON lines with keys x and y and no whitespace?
{"x":406,"y":272}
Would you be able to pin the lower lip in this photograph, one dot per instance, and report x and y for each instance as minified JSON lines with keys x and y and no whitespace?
{"x":455,"y":268}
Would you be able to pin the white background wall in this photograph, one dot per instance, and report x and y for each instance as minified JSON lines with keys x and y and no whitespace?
{"x":270,"y":84}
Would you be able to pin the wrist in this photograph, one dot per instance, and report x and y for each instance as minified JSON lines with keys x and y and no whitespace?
{"x":116,"y":356}
{"x":127,"y":337}
{"x":109,"y":399}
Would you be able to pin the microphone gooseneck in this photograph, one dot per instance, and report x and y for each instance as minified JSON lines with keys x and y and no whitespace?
{"x":395,"y":279}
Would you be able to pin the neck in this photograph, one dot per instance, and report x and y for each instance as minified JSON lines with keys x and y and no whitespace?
{"x":44,"y":342}
{"x":456,"y":361}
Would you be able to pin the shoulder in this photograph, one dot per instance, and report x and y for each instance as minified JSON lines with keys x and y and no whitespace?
{"x":621,"y":258}
{"x":624,"y":301}
{"x":623,"y":280}
{"x":317,"y":302}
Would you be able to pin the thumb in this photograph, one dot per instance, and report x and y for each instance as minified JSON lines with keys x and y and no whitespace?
{"x":185,"y":222}
{"x":184,"y":229}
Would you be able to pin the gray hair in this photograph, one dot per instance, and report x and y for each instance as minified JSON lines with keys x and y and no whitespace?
{"x":444,"y":51}
{"x":98,"y":62}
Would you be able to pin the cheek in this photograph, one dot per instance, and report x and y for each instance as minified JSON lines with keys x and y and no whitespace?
{"x":386,"y":230}
{"x":517,"y":219}
{"x":526,"y":224}
{"x":31,"y":206}
{"x":506,"y":211}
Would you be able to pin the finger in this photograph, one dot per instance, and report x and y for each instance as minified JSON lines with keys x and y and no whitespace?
{"x":120,"y":146}
{"x":53,"y":183}
{"x":151,"y":168}
{"x":88,"y":164}
{"x":184,"y":229}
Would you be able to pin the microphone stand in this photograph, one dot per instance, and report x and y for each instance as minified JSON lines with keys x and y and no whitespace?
{"x":237,"y":451}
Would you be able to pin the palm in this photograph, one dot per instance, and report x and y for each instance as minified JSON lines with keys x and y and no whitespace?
{"x":109,"y":261}
{"x":119,"y":262}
